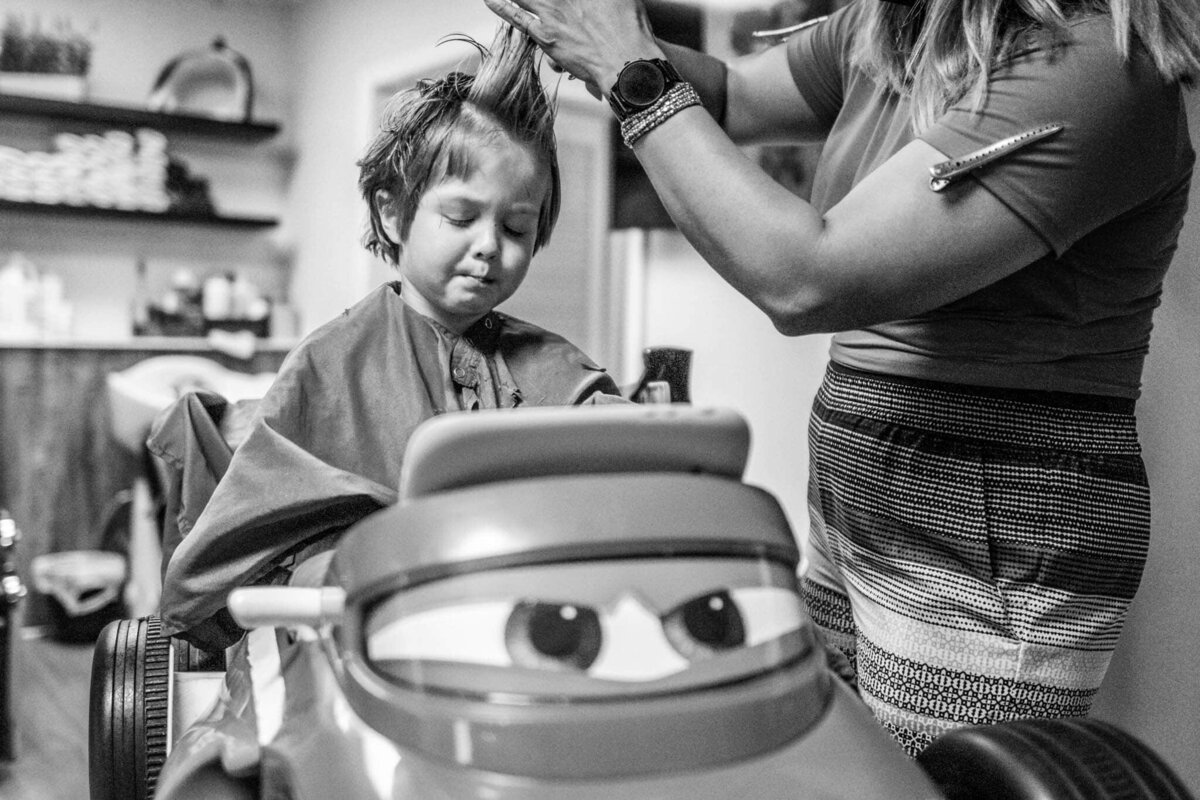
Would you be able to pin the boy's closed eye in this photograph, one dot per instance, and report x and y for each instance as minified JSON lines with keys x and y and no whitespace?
{"x":521,"y":228}
{"x":517,"y":225}
{"x":522,"y":221}
{"x":517,"y":230}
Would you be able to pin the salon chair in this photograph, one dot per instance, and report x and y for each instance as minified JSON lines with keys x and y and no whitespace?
{"x":136,"y":396}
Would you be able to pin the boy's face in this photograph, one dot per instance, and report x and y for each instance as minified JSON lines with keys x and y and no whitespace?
{"x":471,"y":241}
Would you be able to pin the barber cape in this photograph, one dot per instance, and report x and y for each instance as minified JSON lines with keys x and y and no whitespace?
{"x":327,"y":441}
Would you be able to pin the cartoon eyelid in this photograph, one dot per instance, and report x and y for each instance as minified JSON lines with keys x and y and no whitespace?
{"x":469,"y":633}
{"x":768,"y":612}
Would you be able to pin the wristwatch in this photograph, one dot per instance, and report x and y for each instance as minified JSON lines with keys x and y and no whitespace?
{"x":641,"y":84}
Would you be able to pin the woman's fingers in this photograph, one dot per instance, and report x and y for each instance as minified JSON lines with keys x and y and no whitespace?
{"x":590,"y":39}
{"x":514,"y":14}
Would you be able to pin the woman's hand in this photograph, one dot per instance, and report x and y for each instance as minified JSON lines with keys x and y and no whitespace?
{"x":590,"y":39}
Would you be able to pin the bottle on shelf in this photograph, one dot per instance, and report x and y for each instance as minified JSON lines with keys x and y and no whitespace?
{"x":140,"y":305}
{"x":217,"y":297}
{"x":18,"y":276}
{"x":32,"y":302}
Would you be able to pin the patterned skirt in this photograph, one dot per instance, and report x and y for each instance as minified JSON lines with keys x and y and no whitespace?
{"x":972,"y":551}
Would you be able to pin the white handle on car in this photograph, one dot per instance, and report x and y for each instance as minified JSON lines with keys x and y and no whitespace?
{"x":286,"y":606}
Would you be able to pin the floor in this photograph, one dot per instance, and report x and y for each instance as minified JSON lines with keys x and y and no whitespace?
{"x":49,"y":702}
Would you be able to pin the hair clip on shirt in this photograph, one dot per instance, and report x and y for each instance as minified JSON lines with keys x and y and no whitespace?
{"x":782,"y":33}
{"x":947,"y":172}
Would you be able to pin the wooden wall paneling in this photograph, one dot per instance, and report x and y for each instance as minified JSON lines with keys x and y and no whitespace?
{"x":59,"y":466}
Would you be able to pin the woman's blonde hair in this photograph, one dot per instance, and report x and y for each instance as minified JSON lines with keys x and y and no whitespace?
{"x":939,"y":51}
{"x":432,"y":131}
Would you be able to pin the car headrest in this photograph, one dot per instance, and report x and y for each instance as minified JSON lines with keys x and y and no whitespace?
{"x":465,"y":449}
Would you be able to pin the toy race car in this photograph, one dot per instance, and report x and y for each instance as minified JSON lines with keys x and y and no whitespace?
{"x":571,"y":603}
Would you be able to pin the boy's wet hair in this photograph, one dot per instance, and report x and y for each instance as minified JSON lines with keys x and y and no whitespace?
{"x":431,"y":131}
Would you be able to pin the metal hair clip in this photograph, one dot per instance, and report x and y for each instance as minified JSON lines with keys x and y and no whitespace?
{"x":943,"y":174}
{"x":779,"y":33}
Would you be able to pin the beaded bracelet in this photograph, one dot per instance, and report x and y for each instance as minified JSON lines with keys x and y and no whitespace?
{"x":679,"y":97}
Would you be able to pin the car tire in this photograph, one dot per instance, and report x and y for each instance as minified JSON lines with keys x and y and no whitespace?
{"x":127,"y":725}
{"x":1048,"y":759}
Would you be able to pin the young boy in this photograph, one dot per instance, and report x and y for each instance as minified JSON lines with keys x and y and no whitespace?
{"x":462,"y":186}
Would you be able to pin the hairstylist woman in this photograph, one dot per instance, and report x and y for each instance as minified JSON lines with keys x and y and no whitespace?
{"x":996,"y":204}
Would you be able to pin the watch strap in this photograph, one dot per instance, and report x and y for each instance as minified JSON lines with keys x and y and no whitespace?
{"x":624,"y":109}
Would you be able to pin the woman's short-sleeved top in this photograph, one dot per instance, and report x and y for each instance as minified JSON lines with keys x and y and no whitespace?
{"x":1108,"y":195}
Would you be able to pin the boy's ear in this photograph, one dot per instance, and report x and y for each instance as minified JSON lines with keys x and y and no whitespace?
{"x":389,"y":214}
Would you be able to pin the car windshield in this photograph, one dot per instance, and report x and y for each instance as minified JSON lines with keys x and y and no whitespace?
{"x":591,"y":628}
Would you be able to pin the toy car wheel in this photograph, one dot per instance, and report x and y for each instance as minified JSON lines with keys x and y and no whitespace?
{"x":127,"y":736}
{"x":1048,"y":759}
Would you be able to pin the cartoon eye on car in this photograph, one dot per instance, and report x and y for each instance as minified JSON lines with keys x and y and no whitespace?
{"x":571,"y":603}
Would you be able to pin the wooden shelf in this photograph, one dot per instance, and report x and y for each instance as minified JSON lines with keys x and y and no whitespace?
{"x":187,"y":344}
{"x":136,"y":216}
{"x":130,"y":117}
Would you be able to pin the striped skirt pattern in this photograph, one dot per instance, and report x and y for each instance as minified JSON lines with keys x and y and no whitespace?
{"x":973,"y":552}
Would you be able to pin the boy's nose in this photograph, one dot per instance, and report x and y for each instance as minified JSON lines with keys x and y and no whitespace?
{"x":487,"y":246}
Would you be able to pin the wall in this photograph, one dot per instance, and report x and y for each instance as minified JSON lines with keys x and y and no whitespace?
{"x":313,"y":61}
{"x":1152,"y":687}
{"x":738,"y":361}
{"x":133,"y":40}
{"x":345,"y":44}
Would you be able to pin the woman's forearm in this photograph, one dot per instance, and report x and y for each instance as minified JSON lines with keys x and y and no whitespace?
{"x":707,"y":74}
{"x":889,"y":249}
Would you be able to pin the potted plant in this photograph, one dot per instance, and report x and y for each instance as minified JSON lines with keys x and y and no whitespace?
{"x":42,"y":62}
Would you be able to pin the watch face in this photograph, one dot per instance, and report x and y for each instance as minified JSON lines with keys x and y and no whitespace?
{"x":641,"y":83}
